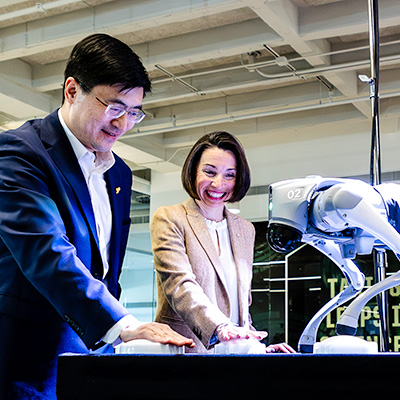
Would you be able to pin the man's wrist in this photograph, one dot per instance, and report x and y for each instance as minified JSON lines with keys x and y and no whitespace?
{"x":127,"y":322}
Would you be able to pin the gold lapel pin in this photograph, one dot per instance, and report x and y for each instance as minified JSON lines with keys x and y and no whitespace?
{"x":117,"y":190}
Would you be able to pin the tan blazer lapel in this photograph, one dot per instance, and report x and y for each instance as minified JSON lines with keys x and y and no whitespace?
{"x":200,"y":229}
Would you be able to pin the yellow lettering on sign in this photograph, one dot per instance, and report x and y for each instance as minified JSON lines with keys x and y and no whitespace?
{"x":395,"y":291}
{"x":396,"y":343}
{"x":329,"y":323}
{"x":365,"y":315}
{"x":368,"y":280}
{"x":396,"y":320}
{"x":376,"y":314}
{"x":332,"y":282}
{"x":343,"y":284}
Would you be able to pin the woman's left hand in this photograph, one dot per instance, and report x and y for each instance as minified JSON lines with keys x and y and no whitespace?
{"x":280,"y":348}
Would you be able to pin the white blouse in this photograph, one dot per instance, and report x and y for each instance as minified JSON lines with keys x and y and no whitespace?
{"x":220,"y":236}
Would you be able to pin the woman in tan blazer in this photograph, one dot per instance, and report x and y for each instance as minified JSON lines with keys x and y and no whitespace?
{"x":203,"y":253}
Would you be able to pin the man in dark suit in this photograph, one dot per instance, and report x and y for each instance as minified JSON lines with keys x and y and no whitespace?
{"x":64,"y":222}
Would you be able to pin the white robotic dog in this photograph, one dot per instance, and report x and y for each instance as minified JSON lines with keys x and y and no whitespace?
{"x":341,"y":218}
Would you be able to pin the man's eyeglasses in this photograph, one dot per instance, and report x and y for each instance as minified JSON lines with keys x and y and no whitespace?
{"x":135,"y":115}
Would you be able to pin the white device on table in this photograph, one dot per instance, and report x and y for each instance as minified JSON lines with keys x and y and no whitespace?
{"x":143,"y":346}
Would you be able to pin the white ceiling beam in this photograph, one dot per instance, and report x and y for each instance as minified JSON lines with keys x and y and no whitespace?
{"x":39,"y":9}
{"x":133,"y":154}
{"x":143,"y":159}
{"x":263,"y":130}
{"x":116,"y":18}
{"x":246,"y":106}
{"x":207,"y":123}
{"x":344,"y":18}
{"x":346,"y":82}
{"x":282,"y":16}
{"x":216,"y":113}
{"x":23,"y":102}
{"x":222,"y":84}
{"x":265,"y":127}
{"x":17,"y":71}
{"x":8,"y":3}
{"x":218,"y":42}
{"x":49,"y":76}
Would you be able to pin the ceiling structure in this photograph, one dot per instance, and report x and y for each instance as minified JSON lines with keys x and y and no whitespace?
{"x":246,"y":66}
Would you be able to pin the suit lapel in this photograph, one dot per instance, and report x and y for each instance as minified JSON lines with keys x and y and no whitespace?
{"x":112,"y":180}
{"x":61,"y":152}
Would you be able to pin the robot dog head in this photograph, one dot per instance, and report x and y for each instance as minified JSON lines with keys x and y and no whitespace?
{"x":283,"y":238}
{"x":288,"y":210}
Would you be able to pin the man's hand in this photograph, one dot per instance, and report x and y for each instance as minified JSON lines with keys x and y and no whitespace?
{"x":156,"y":332}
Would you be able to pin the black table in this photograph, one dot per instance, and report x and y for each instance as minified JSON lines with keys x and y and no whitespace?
{"x":298,"y":376}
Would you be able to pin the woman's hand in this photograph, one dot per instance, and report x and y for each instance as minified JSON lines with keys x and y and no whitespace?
{"x":280,"y":348}
{"x":229,"y":331}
